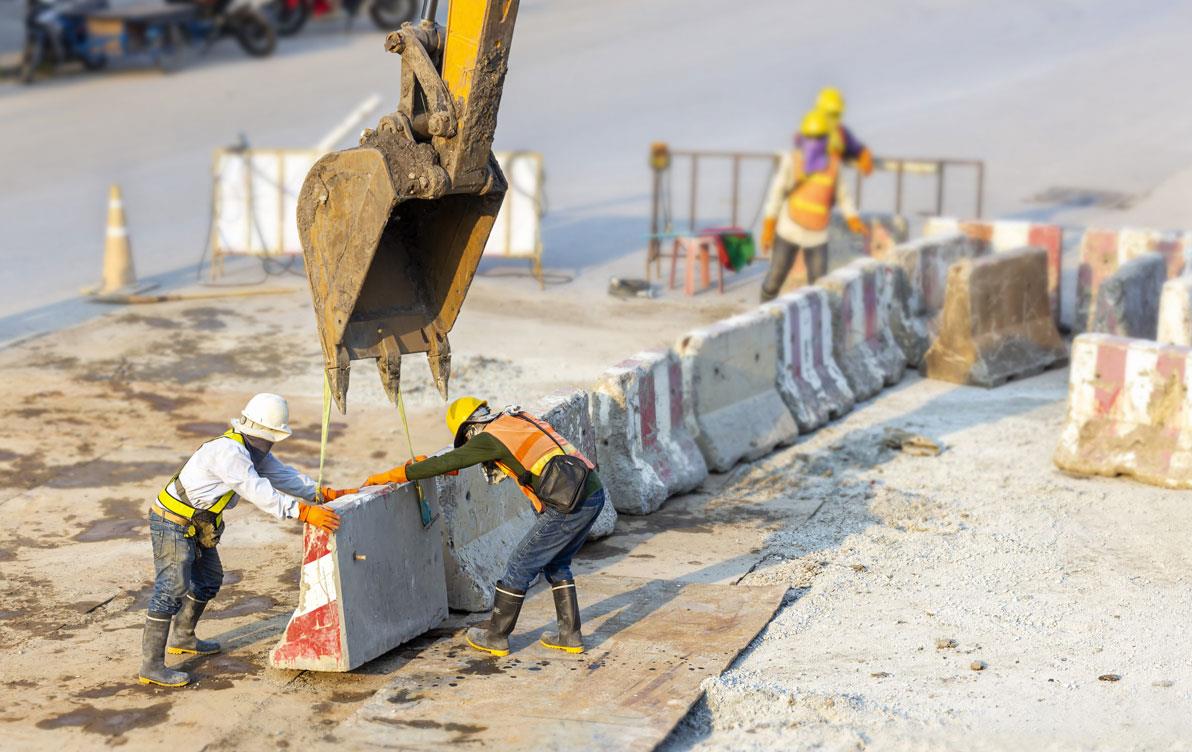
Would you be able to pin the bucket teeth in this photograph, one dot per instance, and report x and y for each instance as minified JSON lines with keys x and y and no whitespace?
{"x":389,"y":366}
{"x":439,"y":358}
{"x":337,"y":378}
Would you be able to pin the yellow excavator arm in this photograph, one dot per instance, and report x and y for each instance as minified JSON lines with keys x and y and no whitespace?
{"x":392,"y":231}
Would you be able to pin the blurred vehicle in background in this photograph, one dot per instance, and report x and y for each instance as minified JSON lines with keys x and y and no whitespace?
{"x":92,"y":32}
{"x":292,"y":15}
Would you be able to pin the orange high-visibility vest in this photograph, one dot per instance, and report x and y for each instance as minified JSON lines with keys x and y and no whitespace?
{"x":532,"y":441}
{"x":810,"y":203}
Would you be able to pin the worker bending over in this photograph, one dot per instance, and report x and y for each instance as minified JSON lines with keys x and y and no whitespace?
{"x":562,"y":486}
{"x":840,"y":139}
{"x":186,"y":521}
{"x":798,"y":209}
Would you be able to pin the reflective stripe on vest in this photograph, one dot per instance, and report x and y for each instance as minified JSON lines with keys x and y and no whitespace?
{"x":811,"y":201}
{"x":180,"y":507}
{"x":527,"y":439}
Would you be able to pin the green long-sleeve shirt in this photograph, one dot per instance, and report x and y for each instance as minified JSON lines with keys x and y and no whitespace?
{"x":483,"y":447}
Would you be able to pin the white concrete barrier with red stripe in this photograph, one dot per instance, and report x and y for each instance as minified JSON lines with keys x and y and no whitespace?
{"x":1004,"y":235}
{"x":375,"y":583}
{"x":730,"y":397}
{"x":1103,"y":251}
{"x":1129,"y":411}
{"x":863,"y":342}
{"x":646,"y":452}
{"x":810,"y":382}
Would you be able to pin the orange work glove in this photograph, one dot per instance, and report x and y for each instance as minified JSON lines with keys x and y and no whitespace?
{"x":396,"y":475}
{"x":857,"y":226}
{"x":769,"y":225}
{"x":331,"y":494}
{"x":321,"y":517}
{"x":865,"y":162}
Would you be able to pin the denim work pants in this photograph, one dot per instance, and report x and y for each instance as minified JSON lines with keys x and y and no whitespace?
{"x":182,"y":567}
{"x":782,"y":260}
{"x":550,"y":544}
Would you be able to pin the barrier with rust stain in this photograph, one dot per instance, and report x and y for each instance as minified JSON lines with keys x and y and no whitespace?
{"x":1129,"y":409}
{"x":996,"y":324}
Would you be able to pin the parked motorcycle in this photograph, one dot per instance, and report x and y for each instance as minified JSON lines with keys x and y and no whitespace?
{"x":248,"y":21}
{"x":292,"y":15}
{"x":56,"y":34}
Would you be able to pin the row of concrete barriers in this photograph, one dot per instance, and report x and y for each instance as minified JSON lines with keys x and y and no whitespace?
{"x":660,"y":421}
{"x":1098,"y":253}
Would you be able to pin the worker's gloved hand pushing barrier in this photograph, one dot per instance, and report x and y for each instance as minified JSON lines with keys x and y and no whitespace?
{"x":321,"y":517}
{"x":397,"y":474}
{"x":331,"y":494}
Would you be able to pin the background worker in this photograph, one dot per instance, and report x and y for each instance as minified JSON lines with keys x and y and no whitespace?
{"x":840,"y":139}
{"x":804,"y":190}
{"x":186,"y":521}
{"x":514,"y":444}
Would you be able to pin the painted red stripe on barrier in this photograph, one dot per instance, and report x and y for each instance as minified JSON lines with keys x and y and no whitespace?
{"x":1110,"y":375}
{"x":1173,"y":251}
{"x":649,"y":410}
{"x":676,"y":393}
{"x":869,"y":298}
{"x":315,"y":543}
{"x":313,"y":635}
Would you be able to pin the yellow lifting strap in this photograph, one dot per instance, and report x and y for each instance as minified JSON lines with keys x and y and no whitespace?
{"x":423,"y":505}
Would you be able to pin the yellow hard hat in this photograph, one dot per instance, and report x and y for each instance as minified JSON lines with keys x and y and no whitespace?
{"x":815,"y":124}
{"x":458,"y":413}
{"x":831,"y":101}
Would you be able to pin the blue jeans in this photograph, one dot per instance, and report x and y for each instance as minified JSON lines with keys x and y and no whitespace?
{"x":182,"y":567}
{"x":550,"y":544}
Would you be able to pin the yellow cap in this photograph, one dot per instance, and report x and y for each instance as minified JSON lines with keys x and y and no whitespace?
{"x":458,"y":413}
{"x":815,"y":124}
{"x":831,"y":101}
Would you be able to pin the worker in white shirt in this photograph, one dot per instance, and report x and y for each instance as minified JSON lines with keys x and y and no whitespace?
{"x":186,"y":521}
{"x":805,"y":190}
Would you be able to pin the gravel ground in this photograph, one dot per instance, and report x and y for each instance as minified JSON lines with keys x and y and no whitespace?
{"x":977,"y":599}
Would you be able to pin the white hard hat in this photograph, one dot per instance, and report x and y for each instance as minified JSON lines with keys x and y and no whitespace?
{"x":266,"y":416}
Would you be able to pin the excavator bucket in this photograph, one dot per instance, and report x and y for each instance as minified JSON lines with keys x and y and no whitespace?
{"x":392,"y":231}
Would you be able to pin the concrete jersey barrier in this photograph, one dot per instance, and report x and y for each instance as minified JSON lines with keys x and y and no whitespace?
{"x":1129,"y":409}
{"x":733,"y":407}
{"x":483,"y":522}
{"x":646,"y":452}
{"x":1004,"y":235}
{"x":1128,"y":302}
{"x":370,"y":586}
{"x":1175,"y":312}
{"x":996,"y":324}
{"x":1103,"y":251}
{"x":863,"y":343}
{"x":810,"y":382}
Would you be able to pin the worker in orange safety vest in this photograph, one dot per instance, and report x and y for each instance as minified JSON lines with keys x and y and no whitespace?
{"x":561,"y":485}
{"x":805,"y":189}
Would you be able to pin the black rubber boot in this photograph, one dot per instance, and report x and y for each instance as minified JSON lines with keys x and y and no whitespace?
{"x":568,"y":638}
{"x":493,"y":637}
{"x":153,"y":659}
{"x":183,"y":639}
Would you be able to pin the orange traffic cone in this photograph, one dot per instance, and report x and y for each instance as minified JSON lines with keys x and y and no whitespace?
{"x":119,"y":276}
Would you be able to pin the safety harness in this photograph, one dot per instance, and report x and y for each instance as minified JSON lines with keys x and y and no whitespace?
{"x":181,"y":505}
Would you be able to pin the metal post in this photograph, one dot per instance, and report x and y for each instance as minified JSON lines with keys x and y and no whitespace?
{"x":939,"y":189}
{"x":736,"y":186}
{"x":898,"y":191}
{"x":980,"y":187}
{"x":655,"y":249}
{"x":694,"y":190}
